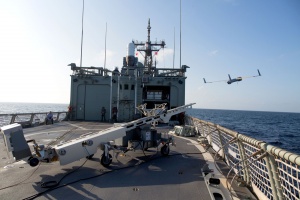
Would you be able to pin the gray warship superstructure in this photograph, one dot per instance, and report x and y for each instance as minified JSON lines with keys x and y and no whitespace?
{"x":123,"y":90}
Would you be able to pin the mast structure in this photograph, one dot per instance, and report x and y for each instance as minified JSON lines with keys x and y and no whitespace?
{"x":81,"y":33}
{"x":148,"y":48}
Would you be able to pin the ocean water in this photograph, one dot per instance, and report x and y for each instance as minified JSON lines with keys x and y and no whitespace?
{"x":277,"y":128}
{"x":10,"y":108}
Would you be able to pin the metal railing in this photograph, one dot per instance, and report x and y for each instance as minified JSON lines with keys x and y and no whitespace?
{"x":275,"y":176}
{"x":30,"y":119}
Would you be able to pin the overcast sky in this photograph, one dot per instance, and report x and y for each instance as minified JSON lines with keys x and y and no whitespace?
{"x":38,"y":39}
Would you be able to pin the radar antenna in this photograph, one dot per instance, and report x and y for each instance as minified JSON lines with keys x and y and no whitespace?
{"x":148,"y":47}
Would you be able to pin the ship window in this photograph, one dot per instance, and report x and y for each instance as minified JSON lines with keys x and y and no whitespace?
{"x":126,"y":87}
{"x":132,"y":87}
{"x":154,"y":95}
{"x":120,"y":87}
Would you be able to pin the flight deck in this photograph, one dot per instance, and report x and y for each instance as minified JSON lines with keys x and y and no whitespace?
{"x":133,"y":175}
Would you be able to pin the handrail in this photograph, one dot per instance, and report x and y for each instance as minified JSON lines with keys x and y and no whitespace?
{"x":276,"y":176}
{"x":31,"y":119}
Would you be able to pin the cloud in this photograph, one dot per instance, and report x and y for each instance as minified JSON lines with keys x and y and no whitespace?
{"x":164,"y":53}
{"x":213,"y":53}
{"x":200,"y":87}
{"x":232,"y":2}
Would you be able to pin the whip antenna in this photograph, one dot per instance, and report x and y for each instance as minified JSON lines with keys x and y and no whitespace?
{"x":180,"y":34}
{"x":81,"y":33}
{"x":174,"y":49}
{"x":105,"y":45}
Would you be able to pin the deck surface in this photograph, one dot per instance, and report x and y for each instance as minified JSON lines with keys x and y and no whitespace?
{"x":134,"y":175}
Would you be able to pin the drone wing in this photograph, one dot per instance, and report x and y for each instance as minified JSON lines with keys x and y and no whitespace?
{"x":259,"y":74}
{"x":233,"y":80}
{"x":213,"y":81}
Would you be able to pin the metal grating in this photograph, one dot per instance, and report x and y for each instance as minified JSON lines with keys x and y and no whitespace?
{"x":289,"y":175}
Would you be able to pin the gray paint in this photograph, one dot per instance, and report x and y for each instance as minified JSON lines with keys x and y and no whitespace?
{"x":94,"y":87}
{"x":96,"y":97}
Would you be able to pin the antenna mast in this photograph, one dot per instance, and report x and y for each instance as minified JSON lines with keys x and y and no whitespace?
{"x":81,"y":33}
{"x":180,"y":34}
{"x":148,"y":47}
{"x":174,"y":49}
{"x":105,"y":46}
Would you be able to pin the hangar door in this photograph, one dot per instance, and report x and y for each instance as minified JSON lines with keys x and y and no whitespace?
{"x":95,"y":97}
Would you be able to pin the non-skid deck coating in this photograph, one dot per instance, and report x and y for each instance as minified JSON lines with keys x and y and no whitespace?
{"x":135,"y":175}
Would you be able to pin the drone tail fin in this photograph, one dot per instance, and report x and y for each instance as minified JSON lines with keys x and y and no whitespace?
{"x":258,"y":72}
{"x":204,"y":80}
{"x":229,"y":77}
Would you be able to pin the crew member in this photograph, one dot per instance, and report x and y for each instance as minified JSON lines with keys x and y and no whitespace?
{"x":114,"y":114}
{"x":70,"y":108}
{"x":103,"y":112}
{"x":49,"y":118}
